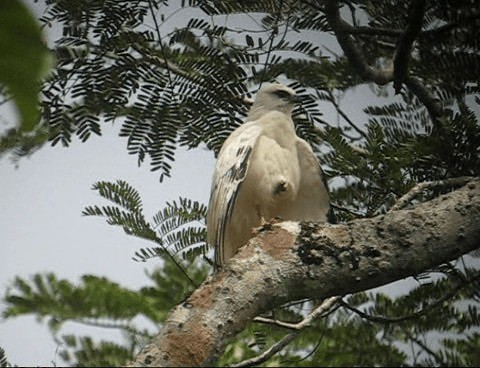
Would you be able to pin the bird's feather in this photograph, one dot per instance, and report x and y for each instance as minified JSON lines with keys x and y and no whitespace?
{"x":264,"y":170}
{"x":230,"y":171}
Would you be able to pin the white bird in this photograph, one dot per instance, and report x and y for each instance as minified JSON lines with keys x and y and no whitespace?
{"x":263,"y":171}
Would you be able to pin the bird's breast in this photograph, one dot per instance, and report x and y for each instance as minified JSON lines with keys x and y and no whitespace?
{"x":273,"y":175}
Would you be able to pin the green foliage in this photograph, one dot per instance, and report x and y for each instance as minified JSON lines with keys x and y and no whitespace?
{"x":127,"y":212}
{"x":438,"y":306}
{"x":24,"y":60}
{"x":189,"y":85}
{"x":3,"y":359}
{"x":98,"y":302}
{"x":86,"y":353}
{"x":182,"y":227}
{"x":338,"y":340}
{"x":177,"y":229}
{"x":60,"y":300}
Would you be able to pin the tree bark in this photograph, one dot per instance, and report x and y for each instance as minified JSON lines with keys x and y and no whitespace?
{"x":287,"y":261}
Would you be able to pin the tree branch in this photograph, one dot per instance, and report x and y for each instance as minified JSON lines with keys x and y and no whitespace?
{"x":420,"y":187}
{"x":290,"y":261}
{"x":401,"y":59}
{"x":437,"y":357}
{"x":285,"y":340}
{"x":321,"y":310}
{"x":424,"y":310}
{"x":343,"y":115}
{"x":307,"y":321}
{"x":342,"y":31}
{"x":162,"y":48}
{"x":431,"y":103}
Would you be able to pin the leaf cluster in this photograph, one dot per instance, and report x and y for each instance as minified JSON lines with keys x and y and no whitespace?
{"x":177,"y":229}
{"x":98,"y":302}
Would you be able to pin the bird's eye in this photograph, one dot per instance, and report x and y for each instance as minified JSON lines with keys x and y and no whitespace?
{"x":283,"y":94}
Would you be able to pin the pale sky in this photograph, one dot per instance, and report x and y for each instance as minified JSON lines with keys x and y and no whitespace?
{"x":42,"y":229}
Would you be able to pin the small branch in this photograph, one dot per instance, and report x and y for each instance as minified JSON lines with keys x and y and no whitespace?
{"x":429,"y":307}
{"x":343,"y":115}
{"x":353,"y":147}
{"x":320,"y":311}
{"x":272,"y":39}
{"x":343,"y":32}
{"x":157,"y":28}
{"x":401,"y":59}
{"x":369,"y":31}
{"x":425,"y":348}
{"x":275,"y":348}
{"x":431,"y":103}
{"x":360,"y":30}
{"x":412,"y":193}
{"x":111,"y":325}
{"x":348,"y":210}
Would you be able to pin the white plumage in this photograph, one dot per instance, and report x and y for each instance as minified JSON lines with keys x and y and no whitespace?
{"x":264,"y":170}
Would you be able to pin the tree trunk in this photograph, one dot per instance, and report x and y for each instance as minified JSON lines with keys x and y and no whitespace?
{"x":288,"y":261}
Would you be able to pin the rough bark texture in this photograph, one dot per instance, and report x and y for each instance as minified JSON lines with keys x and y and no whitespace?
{"x":288,"y":261}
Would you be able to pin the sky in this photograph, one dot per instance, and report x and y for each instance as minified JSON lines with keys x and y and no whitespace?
{"x":42,"y":230}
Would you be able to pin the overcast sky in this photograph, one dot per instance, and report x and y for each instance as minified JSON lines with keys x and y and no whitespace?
{"x":42,"y":229}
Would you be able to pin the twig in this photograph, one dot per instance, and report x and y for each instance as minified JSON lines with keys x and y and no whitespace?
{"x":162,"y":49}
{"x":275,"y":348}
{"x":323,"y":308}
{"x":272,"y":39}
{"x":430,"y":352}
{"x":412,"y":193}
{"x":307,"y":321}
{"x":387,"y":320}
{"x":343,"y":115}
{"x":111,"y":325}
{"x":348,"y":210}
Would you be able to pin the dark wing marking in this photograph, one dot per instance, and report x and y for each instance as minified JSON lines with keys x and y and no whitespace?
{"x":230,"y":171}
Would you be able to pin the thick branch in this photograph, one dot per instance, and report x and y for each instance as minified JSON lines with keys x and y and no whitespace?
{"x":401,"y":59}
{"x":290,"y":261}
{"x":426,"y":97}
{"x":342,"y":31}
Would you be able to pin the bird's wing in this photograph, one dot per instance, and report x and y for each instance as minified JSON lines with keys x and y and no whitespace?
{"x":230,"y":170}
{"x":313,"y":200}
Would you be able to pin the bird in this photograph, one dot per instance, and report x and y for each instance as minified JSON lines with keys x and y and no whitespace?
{"x":263,"y":171}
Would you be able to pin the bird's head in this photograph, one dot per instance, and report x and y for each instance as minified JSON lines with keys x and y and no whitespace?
{"x":272,"y":97}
